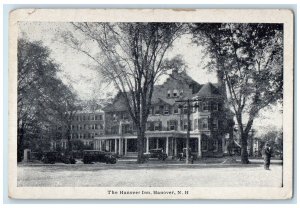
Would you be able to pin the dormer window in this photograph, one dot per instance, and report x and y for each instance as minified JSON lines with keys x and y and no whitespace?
{"x":175,"y":93}
{"x":176,"y":111}
{"x":157,"y":110}
{"x":181,"y":92}
{"x":166,"y":111}
{"x":114,"y":117}
{"x":169,"y":94}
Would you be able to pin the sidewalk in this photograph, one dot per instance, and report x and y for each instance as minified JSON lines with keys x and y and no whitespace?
{"x":225,"y":161}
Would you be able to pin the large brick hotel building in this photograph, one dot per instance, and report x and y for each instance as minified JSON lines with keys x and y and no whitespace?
{"x":211,"y":122}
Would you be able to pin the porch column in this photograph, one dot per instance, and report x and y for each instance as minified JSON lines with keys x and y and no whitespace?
{"x":120,"y":146}
{"x":116,"y":146}
{"x":107,"y":144}
{"x":223,"y":145}
{"x":125,"y":146}
{"x":167,"y":146}
{"x":156,"y":143}
{"x":199,"y":146}
{"x":175,"y":146}
{"x":147,"y":144}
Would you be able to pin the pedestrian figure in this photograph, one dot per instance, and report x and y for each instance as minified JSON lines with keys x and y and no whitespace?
{"x":267,"y":156}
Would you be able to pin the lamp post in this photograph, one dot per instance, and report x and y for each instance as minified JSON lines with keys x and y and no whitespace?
{"x":189,"y":105}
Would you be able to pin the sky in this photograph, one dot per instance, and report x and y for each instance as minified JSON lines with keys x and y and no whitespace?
{"x":76,"y":70}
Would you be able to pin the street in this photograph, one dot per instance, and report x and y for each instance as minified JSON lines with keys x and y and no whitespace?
{"x":151,"y":174}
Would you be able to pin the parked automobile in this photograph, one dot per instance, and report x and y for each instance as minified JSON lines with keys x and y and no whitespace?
{"x":156,"y":153}
{"x":90,"y":156}
{"x":182,"y":155}
{"x":53,"y":157}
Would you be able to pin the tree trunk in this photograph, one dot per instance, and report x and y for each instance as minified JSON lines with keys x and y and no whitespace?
{"x":20,"y":144}
{"x":141,"y":140}
{"x":244,"y":152}
{"x":69,"y":143}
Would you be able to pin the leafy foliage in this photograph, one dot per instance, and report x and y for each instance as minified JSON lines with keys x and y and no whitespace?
{"x":131,"y":56}
{"x":248,"y":58}
{"x":43,"y":99}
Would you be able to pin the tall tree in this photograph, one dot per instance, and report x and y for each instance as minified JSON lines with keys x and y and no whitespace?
{"x":249,"y":60}
{"x":131,"y":56}
{"x":41,"y":96}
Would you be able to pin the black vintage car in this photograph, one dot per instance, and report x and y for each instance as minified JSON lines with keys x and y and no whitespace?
{"x":90,"y":156}
{"x":156,"y":153}
{"x":54,"y":157}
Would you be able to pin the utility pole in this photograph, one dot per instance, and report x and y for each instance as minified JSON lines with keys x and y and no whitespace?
{"x":189,"y":104}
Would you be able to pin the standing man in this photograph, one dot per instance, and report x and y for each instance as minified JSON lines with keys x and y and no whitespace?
{"x":267,"y":156}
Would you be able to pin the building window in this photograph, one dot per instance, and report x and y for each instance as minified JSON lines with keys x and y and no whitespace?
{"x":176,"y":111}
{"x":157,"y":110}
{"x":215,"y":124}
{"x":205,"y":106}
{"x":127,"y":128}
{"x":220,"y":106}
{"x":215,"y":106}
{"x":195,"y":124}
{"x":150,"y":111}
{"x":185,"y":124}
{"x":175,"y":93}
{"x":125,"y":116}
{"x":115,"y":130}
{"x":220,"y":124}
{"x":195,"y":107}
{"x":166,"y":111}
{"x":204,"y":123}
{"x":173,"y":125}
{"x":115,"y":117}
{"x":204,"y":144}
{"x":185,"y":110}
{"x":157,"y":126}
{"x":181,"y":92}
{"x":98,"y":117}
{"x":215,"y":145}
{"x":169,"y":94}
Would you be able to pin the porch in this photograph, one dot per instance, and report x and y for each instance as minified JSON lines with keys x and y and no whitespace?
{"x":200,"y":144}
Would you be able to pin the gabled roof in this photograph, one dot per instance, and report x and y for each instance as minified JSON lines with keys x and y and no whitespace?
{"x":208,"y":90}
{"x":159,"y":95}
{"x":118,"y":104}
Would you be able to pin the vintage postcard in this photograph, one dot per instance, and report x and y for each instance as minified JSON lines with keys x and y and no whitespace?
{"x":150,"y":104}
